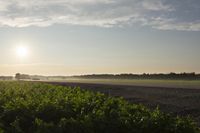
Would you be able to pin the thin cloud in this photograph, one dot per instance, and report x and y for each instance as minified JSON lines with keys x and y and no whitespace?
{"x":158,"y":14}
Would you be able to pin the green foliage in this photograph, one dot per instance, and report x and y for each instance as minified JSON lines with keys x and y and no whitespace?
{"x":27,"y":107}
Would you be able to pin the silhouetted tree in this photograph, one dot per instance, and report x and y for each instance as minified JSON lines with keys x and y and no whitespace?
{"x":17,"y":76}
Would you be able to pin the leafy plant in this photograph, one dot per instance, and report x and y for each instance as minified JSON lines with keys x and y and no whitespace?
{"x":44,"y":108}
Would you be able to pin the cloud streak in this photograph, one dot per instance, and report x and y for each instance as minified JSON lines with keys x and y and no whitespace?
{"x":158,"y":14}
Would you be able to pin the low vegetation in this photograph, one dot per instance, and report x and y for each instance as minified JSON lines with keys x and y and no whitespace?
{"x":37,"y":107}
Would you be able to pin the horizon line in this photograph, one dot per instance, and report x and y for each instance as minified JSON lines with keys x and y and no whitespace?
{"x":196,"y":73}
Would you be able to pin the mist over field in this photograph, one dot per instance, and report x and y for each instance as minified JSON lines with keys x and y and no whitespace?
{"x":125,"y":65}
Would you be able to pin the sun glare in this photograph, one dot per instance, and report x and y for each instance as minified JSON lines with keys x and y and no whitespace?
{"x":22,"y":51}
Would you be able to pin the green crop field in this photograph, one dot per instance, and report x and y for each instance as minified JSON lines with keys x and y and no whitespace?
{"x":27,"y":107}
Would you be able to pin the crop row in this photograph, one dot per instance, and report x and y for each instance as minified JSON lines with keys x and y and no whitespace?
{"x":27,"y":107}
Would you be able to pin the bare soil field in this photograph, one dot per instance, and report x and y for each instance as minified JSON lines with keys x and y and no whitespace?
{"x":181,"y":101}
{"x":187,"y":84}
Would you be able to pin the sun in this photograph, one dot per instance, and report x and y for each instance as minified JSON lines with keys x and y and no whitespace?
{"x":22,"y":51}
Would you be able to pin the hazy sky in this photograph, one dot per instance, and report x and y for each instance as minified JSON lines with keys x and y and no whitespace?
{"x":66,"y":37}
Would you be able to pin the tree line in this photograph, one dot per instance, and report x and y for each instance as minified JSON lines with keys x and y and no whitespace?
{"x":173,"y":76}
{"x":187,"y":76}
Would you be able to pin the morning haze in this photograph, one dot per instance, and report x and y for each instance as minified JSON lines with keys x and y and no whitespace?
{"x":99,"y":66}
{"x":132,"y":37}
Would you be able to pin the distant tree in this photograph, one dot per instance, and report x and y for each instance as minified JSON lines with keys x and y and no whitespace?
{"x":17,"y":76}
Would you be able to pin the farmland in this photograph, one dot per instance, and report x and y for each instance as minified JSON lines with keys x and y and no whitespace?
{"x":172,"y":96}
{"x":188,"y":84}
{"x":40,"y":107}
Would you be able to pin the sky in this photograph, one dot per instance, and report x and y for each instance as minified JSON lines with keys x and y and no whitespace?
{"x":72,"y":37}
